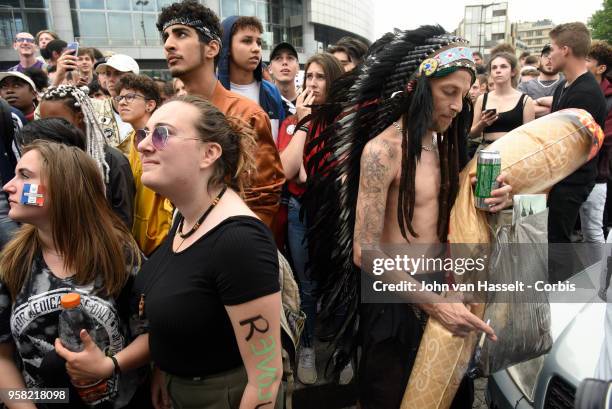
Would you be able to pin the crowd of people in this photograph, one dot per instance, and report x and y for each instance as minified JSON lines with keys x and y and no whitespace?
{"x":170,"y":206}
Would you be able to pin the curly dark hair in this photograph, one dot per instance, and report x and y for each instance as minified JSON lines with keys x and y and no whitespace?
{"x":195,"y":10}
{"x":141,"y":83}
{"x":602,"y":53}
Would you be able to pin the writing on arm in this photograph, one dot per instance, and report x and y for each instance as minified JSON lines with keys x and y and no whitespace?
{"x":258,"y":337}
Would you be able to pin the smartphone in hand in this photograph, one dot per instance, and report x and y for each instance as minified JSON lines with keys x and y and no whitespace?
{"x":492,"y":110}
{"x":73,"y":46}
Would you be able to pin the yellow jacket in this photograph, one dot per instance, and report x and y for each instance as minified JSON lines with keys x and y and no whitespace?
{"x":152,"y":212}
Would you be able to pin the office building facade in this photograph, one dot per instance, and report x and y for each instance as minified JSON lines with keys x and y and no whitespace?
{"x":485,"y":25}
{"x":128,"y":26}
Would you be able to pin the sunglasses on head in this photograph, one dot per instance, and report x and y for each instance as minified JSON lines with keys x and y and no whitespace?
{"x":159,"y":136}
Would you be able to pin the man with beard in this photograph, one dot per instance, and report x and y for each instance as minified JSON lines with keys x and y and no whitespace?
{"x":191,"y":34}
{"x":395,"y":149}
{"x":542,"y":88}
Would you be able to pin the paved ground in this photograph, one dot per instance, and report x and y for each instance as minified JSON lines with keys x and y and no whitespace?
{"x":479,"y":390}
{"x":327,"y":395}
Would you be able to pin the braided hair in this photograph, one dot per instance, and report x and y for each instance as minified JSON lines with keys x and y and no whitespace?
{"x":77,"y":100}
{"x":361,"y":105}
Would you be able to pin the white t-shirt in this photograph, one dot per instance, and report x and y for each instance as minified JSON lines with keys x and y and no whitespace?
{"x":250,"y":91}
{"x":124,"y":128}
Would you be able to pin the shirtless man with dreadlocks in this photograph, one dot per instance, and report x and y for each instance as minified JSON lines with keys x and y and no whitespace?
{"x":397,"y":148}
{"x":386,"y":167}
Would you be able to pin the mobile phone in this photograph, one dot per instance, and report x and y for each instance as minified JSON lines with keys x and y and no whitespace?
{"x":73,"y":46}
{"x":493,"y":110}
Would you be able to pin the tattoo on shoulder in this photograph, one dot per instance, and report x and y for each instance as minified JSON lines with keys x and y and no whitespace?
{"x":372,"y":192}
{"x":373,"y":171}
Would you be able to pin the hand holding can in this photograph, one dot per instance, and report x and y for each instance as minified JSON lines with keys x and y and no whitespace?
{"x":488,"y":168}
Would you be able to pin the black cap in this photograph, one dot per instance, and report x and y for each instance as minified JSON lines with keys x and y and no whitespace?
{"x":547,"y":49}
{"x":281,"y":47}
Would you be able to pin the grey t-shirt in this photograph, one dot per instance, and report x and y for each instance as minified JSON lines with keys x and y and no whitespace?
{"x":31,"y":322}
{"x":538,"y":89}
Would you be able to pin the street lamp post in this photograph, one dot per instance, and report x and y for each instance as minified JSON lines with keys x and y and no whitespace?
{"x":142,"y":3}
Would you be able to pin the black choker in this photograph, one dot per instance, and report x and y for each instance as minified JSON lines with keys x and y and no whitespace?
{"x":202,"y":218}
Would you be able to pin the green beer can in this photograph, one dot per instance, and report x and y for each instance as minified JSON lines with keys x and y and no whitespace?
{"x":488,"y":168}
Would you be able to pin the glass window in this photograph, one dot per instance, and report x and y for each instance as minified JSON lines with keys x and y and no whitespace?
{"x":163,"y":3}
{"x":229,"y":8}
{"x":247,"y":7}
{"x":149,"y":26}
{"x":12,"y":3}
{"x":35,"y":3}
{"x":36,"y":21}
{"x":7,"y":28}
{"x":121,"y":26}
{"x":144,"y":5}
{"x":118,"y":4}
{"x":262,"y":11}
{"x":91,"y":4}
{"x":93,"y":25}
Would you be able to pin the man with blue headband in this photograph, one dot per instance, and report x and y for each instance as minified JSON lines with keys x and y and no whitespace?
{"x":385,"y":171}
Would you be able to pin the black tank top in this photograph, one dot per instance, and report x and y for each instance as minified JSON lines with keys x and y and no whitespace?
{"x":507,"y":120}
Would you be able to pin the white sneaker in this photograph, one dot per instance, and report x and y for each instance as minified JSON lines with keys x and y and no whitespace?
{"x":346,"y":374}
{"x":307,"y":368}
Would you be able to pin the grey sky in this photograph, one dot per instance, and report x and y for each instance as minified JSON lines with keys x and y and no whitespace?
{"x":448,"y":13}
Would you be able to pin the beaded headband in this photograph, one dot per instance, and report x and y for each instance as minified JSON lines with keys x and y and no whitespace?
{"x":447,"y":60}
{"x":195,"y":24}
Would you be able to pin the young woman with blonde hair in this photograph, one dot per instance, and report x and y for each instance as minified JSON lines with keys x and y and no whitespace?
{"x":209,"y":295}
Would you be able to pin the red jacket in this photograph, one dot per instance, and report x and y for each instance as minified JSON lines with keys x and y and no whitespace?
{"x":605,"y":154}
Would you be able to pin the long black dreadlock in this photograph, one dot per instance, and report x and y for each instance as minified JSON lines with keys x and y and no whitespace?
{"x":360,"y":106}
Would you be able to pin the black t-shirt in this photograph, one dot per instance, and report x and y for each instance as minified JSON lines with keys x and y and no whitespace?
{"x":584,"y":93}
{"x":190,"y":333}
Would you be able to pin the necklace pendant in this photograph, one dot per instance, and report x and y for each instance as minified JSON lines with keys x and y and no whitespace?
{"x":141,"y":306}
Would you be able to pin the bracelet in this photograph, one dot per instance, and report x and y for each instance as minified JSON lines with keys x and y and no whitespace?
{"x":303,"y":128}
{"x":116,"y":368}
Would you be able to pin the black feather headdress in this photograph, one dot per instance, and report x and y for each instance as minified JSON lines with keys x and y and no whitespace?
{"x":390,"y":84}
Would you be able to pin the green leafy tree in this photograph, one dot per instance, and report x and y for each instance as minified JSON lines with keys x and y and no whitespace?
{"x":601,"y":22}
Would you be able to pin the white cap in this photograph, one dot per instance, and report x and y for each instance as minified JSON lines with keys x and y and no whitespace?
{"x":120,"y":62}
{"x":19,"y":75}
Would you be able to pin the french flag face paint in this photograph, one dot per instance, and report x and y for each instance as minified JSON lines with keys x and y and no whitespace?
{"x":33,"y":194}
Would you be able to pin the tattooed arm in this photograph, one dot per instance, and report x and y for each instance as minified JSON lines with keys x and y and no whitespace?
{"x":379,"y":165}
{"x":257,"y":327}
